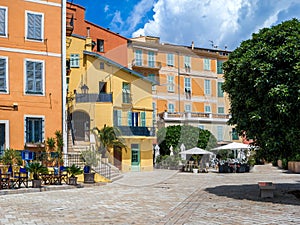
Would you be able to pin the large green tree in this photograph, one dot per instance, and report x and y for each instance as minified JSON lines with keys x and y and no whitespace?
{"x":188,"y":135}
{"x":262,"y":78}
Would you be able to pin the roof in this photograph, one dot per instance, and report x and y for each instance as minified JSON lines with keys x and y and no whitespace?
{"x":119,"y":66}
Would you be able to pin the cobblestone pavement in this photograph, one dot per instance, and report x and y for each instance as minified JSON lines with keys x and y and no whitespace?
{"x":162,"y":197}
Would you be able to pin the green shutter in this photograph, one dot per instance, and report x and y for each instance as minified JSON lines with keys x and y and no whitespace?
{"x":143,"y":119}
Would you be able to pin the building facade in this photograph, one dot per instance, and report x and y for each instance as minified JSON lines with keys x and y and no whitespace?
{"x":31,"y":72}
{"x":189,"y":84}
{"x":107,"y":93}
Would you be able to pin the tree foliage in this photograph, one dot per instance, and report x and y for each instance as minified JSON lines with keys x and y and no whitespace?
{"x":262,"y":79}
{"x":188,"y":135}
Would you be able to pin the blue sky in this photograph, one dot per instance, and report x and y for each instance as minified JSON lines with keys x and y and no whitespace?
{"x":223,"y":22}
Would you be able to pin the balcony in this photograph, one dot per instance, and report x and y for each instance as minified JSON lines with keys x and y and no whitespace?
{"x":137,"y":131}
{"x":194,"y":117}
{"x":69,"y":24}
{"x":146,"y":64}
{"x":101,"y":97}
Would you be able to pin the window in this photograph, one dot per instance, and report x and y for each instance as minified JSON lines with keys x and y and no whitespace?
{"x":34,"y":77}
{"x":143,"y":119}
{"x":187,"y":63}
{"x":138,"y":57}
{"x":126,"y":92}
{"x":171,"y":108}
{"x":219,"y":67}
{"x":220,"y":91}
{"x":74,"y":60}
{"x":170,"y":84}
{"x":101,"y":65}
{"x":170,"y":59}
{"x":187,"y":87}
{"x":234,"y":134}
{"x":3,"y":75}
{"x":135,"y":155}
{"x":219,"y":133}
{"x":117,"y":117}
{"x":151,"y":59}
{"x":187,"y":108}
{"x":221,"y":110}
{"x":34,"y":26}
{"x":34,"y":129}
{"x":207,"y":109}
{"x":152,"y":78}
{"x":206,"y":64}
{"x":207,"y":87}
{"x":3,"y":21}
{"x":100,"y":45}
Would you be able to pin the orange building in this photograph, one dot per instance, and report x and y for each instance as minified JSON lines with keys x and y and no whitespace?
{"x":31,"y":72}
{"x":105,"y":42}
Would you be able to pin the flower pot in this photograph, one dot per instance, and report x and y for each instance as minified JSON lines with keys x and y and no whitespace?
{"x":36,"y":183}
{"x":195,"y":170}
{"x":72,"y":181}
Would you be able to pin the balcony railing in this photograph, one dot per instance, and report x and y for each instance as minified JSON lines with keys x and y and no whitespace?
{"x":194,"y":116}
{"x":146,"y":64}
{"x":137,"y":131}
{"x":101,"y":97}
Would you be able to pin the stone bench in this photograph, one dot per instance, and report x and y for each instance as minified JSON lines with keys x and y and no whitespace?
{"x":266,"y":189}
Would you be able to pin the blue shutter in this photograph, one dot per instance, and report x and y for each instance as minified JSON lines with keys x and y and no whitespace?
{"x":129,"y":119}
{"x":119,"y":115}
{"x":3,"y":75}
{"x":27,"y":129}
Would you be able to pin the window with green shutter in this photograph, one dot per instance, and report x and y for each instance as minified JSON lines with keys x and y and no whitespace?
{"x":220,"y":91}
{"x":143,"y":119}
{"x":219,"y":67}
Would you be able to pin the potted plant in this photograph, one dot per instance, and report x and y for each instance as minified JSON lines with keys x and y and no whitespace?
{"x":90,"y":158}
{"x":73,"y":171}
{"x":36,"y":168}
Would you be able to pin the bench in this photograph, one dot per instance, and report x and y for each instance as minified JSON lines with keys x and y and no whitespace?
{"x":266,"y":189}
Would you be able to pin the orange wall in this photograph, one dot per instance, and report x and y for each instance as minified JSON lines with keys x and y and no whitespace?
{"x":48,"y":105}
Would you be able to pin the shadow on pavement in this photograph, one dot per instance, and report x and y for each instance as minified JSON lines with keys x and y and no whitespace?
{"x":285,"y":193}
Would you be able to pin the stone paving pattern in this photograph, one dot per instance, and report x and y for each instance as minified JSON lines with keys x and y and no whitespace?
{"x":161,"y":197}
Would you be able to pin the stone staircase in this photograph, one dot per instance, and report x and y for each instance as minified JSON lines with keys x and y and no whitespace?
{"x":104,"y":168}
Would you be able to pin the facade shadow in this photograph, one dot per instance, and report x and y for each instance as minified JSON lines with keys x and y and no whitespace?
{"x":285,"y":193}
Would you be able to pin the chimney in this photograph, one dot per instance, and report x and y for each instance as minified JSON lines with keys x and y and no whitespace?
{"x":193,"y":45}
{"x":88,"y":31}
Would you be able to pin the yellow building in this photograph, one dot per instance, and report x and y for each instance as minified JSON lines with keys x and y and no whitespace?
{"x":189,"y":84}
{"x":101,"y":92}
{"x":31,"y":72}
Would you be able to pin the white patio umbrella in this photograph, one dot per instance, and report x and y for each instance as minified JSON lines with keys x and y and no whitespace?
{"x":197,"y":151}
{"x":171,"y":150}
{"x":156,"y":153}
{"x":233,"y":146}
{"x":182,"y":148}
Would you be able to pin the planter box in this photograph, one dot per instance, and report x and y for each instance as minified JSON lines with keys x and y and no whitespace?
{"x":89,"y":177}
{"x":294,"y":166}
{"x":72,"y":181}
{"x":36,"y":183}
{"x":279,"y":163}
{"x":195,"y":170}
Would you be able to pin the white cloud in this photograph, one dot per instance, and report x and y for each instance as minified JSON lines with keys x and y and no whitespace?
{"x":226,"y":22}
{"x":106,"y":8}
{"x":117,"y":20}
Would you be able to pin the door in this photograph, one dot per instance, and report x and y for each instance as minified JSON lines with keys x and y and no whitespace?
{"x":2,"y":138}
{"x":118,"y":157}
{"x":135,"y":157}
{"x":81,"y":121}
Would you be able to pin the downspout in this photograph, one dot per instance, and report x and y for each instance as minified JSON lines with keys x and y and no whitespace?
{"x":63,"y":72}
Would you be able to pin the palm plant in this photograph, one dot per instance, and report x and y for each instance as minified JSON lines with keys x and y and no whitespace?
{"x":36,"y":168}
{"x":74,"y":170}
{"x":11,"y":157}
{"x":108,"y":137}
